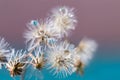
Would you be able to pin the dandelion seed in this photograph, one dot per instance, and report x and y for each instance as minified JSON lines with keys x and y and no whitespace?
{"x":84,"y":53}
{"x":4,"y":51}
{"x":38,"y":60}
{"x":59,"y":59}
{"x":16,"y":63}
{"x":63,"y":19}
{"x":79,"y":67}
{"x":40,"y":34}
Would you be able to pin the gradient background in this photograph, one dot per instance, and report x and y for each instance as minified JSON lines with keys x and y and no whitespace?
{"x":97,"y":19}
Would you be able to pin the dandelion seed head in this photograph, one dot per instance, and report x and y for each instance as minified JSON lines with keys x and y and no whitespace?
{"x":63,"y":19}
{"x":4,"y":51}
{"x":85,"y":50}
{"x":38,"y":59}
{"x":16,"y":63}
{"x":41,"y":34}
{"x":59,"y":59}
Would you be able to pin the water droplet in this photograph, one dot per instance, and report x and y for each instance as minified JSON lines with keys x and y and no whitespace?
{"x":34,"y":22}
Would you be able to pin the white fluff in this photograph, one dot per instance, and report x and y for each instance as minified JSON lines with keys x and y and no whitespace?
{"x":15,"y":57}
{"x":35,"y":33}
{"x":4,"y":50}
{"x":85,"y":50}
{"x":63,"y":20}
{"x":37,"y":57}
{"x":59,"y":60}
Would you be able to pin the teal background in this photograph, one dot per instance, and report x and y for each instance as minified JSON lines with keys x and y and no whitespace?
{"x":104,"y":67}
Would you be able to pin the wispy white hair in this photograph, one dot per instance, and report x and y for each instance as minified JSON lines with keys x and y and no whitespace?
{"x":59,"y":59}
{"x":16,"y":57}
{"x":4,"y":50}
{"x":37,"y":57}
{"x":35,"y":33}
{"x":85,"y":50}
{"x":63,"y":19}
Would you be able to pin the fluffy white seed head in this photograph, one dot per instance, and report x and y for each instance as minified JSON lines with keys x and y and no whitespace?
{"x":38,"y":59}
{"x":16,"y":62}
{"x":40,"y":33}
{"x":85,"y":49}
{"x":59,"y":59}
{"x":63,"y":20}
{"x":4,"y":51}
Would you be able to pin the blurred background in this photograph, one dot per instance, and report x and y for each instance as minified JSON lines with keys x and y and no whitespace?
{"x":97,"y":19}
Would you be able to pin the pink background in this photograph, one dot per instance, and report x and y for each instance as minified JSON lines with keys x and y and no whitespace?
{"x":97,"y":19}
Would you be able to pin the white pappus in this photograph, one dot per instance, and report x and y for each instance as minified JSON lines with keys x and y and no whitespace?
{"x":63,"y":20}
{"x":4,"y":51}
{"x":84,"y":53}
{"x":59,"y":59}
{"x":39,"y":33}
{"x":16,"y":62}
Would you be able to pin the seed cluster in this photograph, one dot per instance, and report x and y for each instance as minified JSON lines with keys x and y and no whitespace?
{"x":47,"y":47}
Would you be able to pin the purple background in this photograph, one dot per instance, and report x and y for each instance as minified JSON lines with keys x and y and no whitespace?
{"x":98,"y":19}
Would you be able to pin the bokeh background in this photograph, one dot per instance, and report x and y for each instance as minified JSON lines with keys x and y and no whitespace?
{"x":97,"y":19}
